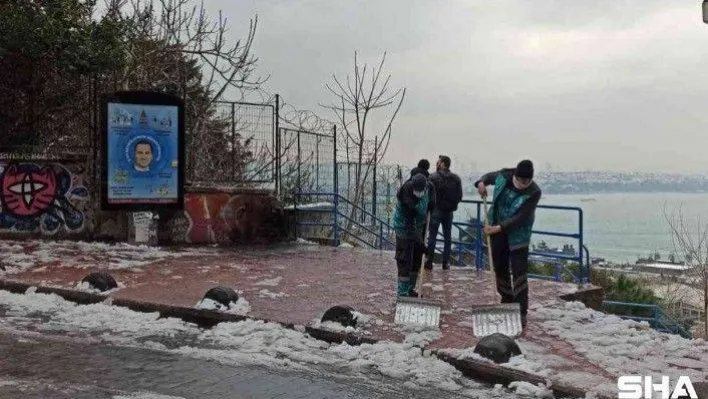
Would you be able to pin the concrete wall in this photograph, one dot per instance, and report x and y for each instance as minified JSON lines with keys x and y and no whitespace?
{"x":54,"y":198}
{"x":218,"y":216}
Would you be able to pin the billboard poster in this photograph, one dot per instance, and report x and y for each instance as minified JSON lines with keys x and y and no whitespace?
{"x":143,"y":152}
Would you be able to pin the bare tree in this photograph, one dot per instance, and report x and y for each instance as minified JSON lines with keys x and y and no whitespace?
{"x":357,"y":99}
{"x":692,"y":243}
{"x":174,"y":46}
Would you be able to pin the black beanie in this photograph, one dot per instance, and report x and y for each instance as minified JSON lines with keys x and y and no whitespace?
{"x":417,"y":170}
{"x":419,"y":182}
{"x":424,"y":164}
{"x":524,"y":169}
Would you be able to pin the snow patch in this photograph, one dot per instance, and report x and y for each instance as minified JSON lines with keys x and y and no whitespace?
{"x":84,"y":286}
{"x":147,"y":396}
{"x":240,"y":307}
{"x":264,"y":293}
{"x":19,"y":256}
{"x":622,"y":347}
{"x":273,"y":282}
{"x":523,"y":388}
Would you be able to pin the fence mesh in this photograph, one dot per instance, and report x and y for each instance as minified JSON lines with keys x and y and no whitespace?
{"x":238,"y":147}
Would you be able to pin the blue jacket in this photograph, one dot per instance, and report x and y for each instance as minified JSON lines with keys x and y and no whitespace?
{"x":514,"y":210}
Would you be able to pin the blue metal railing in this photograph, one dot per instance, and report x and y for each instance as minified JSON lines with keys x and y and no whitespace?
{"x":474,"y":247}
{"x":658,"y":320}
{"x":381,"y":242}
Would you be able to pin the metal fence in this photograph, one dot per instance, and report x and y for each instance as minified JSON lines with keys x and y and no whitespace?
{"x":306,"y":163}
{"x":238,"y":146}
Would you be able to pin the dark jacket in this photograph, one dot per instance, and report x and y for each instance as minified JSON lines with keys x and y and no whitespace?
{"x":514,"y":210}
{"x":409,"y":215}
{"x":448,"y":190}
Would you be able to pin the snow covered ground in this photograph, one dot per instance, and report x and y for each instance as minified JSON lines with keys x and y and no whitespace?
{"x":618,"y":346}
{"x":18,"y":256}
{"x":244,"y":343}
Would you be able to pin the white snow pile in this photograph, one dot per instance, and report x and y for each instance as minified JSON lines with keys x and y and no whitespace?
{"x":268,"y":344}
{"x":22,"y":255}
{"x":362,"y":322}
{"x":346,"y":245}
{"x":523,"y":388}
{"x":621,"y":347}
{"x":240,"y":307}
{"x":624,"y":347}
{"x":84,"y":286}
{"x":250,"y":342}
{"x":95,"y":318}
{"x":303,"y":241}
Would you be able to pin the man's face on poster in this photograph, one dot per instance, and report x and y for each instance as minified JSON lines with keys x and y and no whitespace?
{"x":143,"y":155}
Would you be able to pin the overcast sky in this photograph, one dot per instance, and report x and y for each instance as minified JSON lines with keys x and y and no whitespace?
{"x":573,"y":85}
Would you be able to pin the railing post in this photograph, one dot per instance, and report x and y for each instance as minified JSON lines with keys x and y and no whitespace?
{"x":381,"y":235}
{"x":478,"y":247}
{"x":234,"y":156}
{"x":459,"y":244}
{"x":335,"y":216}
{"x":556,"y":271}
{"x":580,"y":248}
{"x":277,"y":146}
{"x":373,"y":185}
{"x":297,"y":214}
{"x":335,"y":184}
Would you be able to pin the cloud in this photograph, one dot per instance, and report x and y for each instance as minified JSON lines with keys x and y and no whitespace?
{"x":601,"y":84}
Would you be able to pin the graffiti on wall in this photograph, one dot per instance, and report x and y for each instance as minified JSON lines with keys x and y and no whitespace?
{"x":225,"y":218}
{"x":42,"y":197}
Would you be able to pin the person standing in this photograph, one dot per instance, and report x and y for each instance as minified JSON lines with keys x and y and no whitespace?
{"x":448,"y":194}
{"x":421,"y":247}
{"x":408,"y":223}
{"x":511,"y":220}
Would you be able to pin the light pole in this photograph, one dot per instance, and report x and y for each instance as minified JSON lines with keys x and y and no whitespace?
{"x":705,"y":11}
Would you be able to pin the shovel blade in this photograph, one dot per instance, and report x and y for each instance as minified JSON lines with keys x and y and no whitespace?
{"x":421,"y":312}
{"x":502,"y":318}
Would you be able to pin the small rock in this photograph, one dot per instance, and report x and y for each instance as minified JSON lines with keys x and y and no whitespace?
{"x":222,"y":295}
{"x":343,"y":315}
{"x":101,"y":281}
{"x":498,"y":348}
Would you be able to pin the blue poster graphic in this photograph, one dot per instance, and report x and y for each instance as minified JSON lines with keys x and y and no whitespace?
{"x":142,"y":154}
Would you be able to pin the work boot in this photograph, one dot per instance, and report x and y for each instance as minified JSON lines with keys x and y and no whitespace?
{"x":445,"y":266}
{"x":414,"y":294}
{"x":523,"y":321}
{"x":428,"y":263}
{"x":404,"y":288}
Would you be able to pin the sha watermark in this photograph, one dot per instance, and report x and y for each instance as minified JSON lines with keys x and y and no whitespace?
{"x":647,"y":387}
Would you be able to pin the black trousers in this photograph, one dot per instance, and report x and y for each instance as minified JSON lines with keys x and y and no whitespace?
{"x":409,"y":258}
{"x":511,"y":268}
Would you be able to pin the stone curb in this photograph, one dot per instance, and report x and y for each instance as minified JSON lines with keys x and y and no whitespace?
{"x":471,"y":368}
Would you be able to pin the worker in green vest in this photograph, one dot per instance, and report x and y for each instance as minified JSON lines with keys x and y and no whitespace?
{"x":511,"y":219}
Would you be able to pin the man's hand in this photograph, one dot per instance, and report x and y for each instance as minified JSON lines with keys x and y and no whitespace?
{"x":482,"y":190}
{"x":491,"y":230}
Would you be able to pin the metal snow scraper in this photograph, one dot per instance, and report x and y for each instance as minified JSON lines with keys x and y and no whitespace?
{"x":504,"y":318}
{"x":418,"y":311}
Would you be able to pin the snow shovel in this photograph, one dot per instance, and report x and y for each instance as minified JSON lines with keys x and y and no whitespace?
{"x":504,"y":318}
{"x":418,"y":311}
